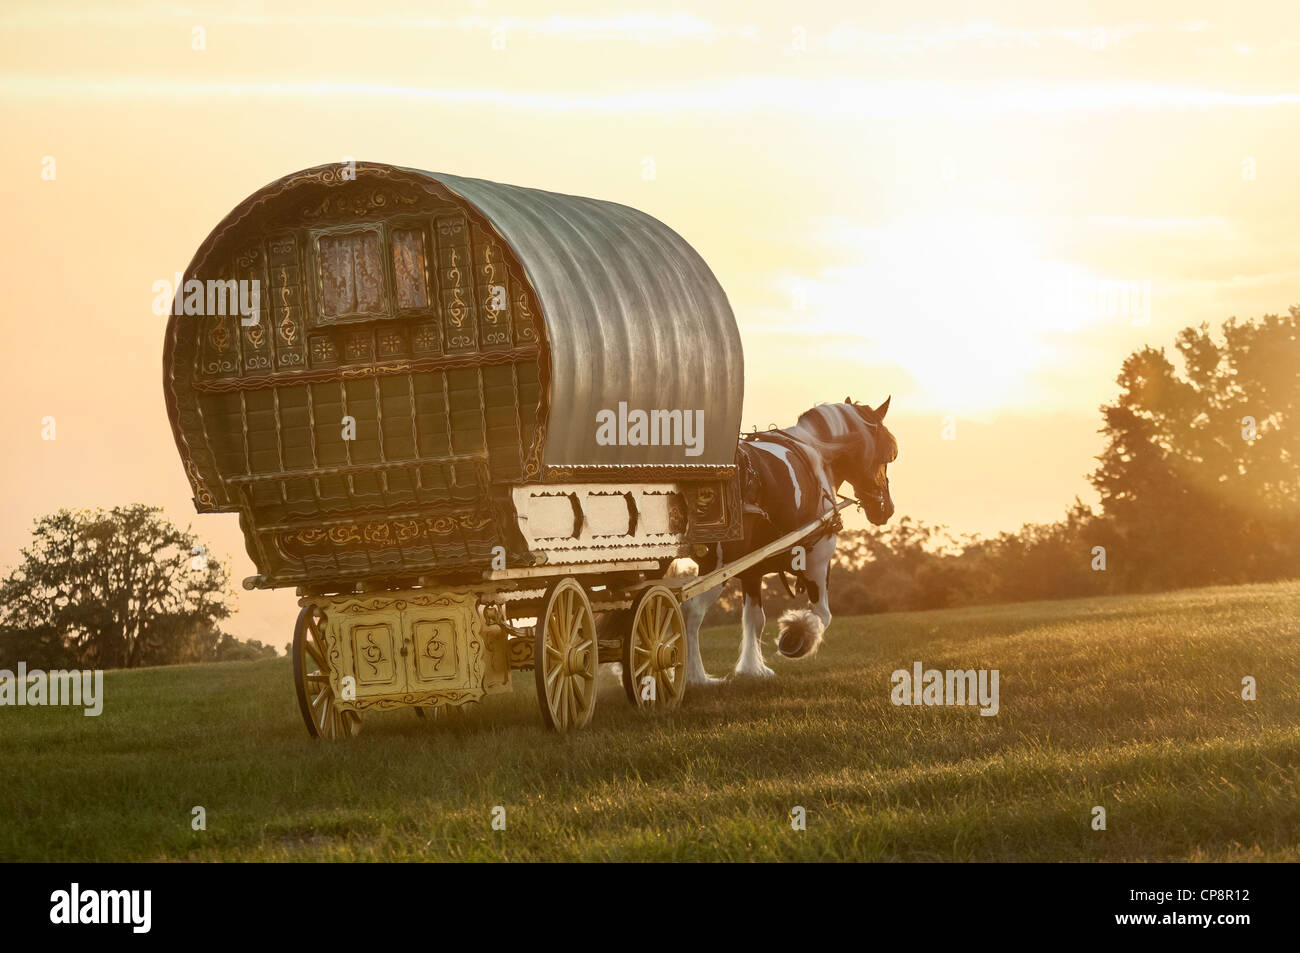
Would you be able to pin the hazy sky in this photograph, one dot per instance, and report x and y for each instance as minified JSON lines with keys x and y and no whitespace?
{"x":939,"y":201}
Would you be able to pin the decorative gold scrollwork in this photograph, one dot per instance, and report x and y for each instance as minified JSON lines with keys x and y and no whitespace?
{"x":201,"y":491}
{"x":384,"y":533}
{"x":220,"y":334}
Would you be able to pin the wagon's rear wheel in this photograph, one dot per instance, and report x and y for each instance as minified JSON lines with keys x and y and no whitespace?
{"x":654,"y":651}
{"x":311,"y":678}
{"x":566,"y":657}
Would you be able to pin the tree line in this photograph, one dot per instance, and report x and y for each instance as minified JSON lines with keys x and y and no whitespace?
{"x":1198,"y":484}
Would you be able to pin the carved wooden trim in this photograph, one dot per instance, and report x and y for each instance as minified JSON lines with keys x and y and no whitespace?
{"x":642,"y":473}
{"x":393,"y":609}
{"x":387,"y":369}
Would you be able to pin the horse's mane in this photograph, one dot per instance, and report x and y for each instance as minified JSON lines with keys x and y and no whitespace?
{"x":834,"y":447}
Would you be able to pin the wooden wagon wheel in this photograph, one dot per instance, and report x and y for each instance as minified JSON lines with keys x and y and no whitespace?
{"x":654,"y":651}
{"x":566,"y":657}
{"x":311,"y":678}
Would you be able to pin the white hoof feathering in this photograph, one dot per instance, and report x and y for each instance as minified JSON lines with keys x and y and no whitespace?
{"x":706,"y":681}
{"x":609,"y":676}
{"x":801,"y":633}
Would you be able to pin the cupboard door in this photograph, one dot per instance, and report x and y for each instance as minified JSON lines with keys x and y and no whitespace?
{"x":372,"y":647}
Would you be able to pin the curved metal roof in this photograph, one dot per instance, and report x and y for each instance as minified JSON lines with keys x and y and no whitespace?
{"x":633,"y":315}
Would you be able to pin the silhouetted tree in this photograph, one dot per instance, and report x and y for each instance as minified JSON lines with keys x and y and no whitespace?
{"x":231,"y":649}
{"x":1200,"y":479}
{"x":111,"y":589}
{"x":1199,"y":483}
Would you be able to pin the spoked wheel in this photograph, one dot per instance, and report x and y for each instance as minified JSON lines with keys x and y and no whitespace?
{"x":566,"y":657}
{"x":311,"y":678}
{"x":654,"y":651}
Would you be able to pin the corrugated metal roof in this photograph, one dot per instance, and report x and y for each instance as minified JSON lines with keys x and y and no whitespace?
{"x":633,"y":315}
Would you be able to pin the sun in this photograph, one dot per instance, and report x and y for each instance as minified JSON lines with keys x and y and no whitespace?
{"x":966,"y":305}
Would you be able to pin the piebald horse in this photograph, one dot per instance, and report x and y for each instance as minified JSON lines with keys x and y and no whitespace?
{"x":789,"y":478}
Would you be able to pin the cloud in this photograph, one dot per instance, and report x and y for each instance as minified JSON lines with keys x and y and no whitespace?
{"x":945,"y":38}
{"x":838,"y":97}
{"x":636,"y":27}
{"x":1205,"y":226}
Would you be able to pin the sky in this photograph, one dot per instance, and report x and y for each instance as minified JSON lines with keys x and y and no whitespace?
{"x":977,"y":208}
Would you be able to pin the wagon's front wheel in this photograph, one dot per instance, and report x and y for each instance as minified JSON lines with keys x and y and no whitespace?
{"x":312,"y":680}
{"x":565,"y":657}
{"x":654,"y":651}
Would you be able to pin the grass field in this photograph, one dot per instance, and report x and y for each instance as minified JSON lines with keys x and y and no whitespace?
{"x":1130,"y":703}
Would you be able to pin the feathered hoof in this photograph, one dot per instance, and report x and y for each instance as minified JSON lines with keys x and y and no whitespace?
{"x":801,"y":633}
{"x":708,"y":681}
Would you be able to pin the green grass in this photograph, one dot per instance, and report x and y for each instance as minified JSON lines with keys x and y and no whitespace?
{"x":1131,"y":703}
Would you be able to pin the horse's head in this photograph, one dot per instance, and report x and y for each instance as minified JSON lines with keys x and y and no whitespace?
{"x":867,"y":470}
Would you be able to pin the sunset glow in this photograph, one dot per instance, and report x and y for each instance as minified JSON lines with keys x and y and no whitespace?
{"x":979,"y":216}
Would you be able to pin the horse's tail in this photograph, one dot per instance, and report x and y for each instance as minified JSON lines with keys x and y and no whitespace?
{"x":802,"y":633}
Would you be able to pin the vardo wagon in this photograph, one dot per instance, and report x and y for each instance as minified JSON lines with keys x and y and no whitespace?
{"x":461,"y":405}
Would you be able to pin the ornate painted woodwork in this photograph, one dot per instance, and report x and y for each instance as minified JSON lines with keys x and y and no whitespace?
{"x":405,"y":647}
{"x":397,"y":381}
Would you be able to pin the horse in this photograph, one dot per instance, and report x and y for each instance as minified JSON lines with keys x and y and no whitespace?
{"x":789,"y":478}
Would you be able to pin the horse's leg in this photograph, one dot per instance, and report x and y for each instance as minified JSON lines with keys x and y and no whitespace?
{"x":818,"y":578}
{"x":751,"y":640}
{"x":693,"y":611}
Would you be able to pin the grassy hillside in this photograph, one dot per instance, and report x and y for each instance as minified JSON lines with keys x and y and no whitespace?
{"x":1129,"y":703}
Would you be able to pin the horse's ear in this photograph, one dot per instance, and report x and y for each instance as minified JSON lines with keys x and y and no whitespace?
{"x":884,"y":408}
{"x":848,"y":400}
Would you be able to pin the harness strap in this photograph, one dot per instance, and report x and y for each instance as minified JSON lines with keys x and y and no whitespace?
{"x":749,"y":478}
{"x":749,"y":482}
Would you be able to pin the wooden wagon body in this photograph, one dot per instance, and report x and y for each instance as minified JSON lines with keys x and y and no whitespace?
{"x":409,"y":427}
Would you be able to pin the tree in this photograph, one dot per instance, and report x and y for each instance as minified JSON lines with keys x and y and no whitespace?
{"x":231,"y":649}
{"x":1200,"y":479}
{"x":1199,"y":484}
{"x":121,"y":588}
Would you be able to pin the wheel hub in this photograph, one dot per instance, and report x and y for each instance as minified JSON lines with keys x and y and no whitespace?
{"x":664,"y":656}
{"x":575,"y":661}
